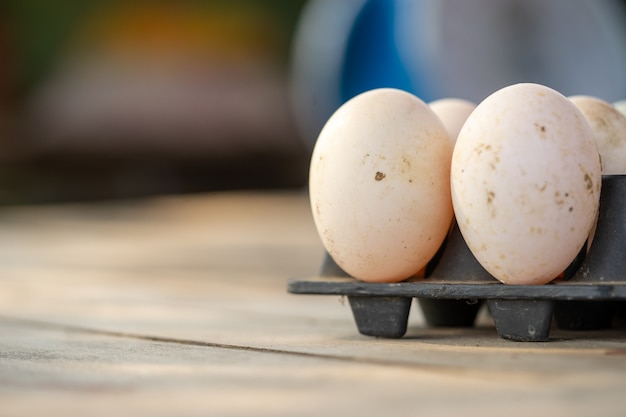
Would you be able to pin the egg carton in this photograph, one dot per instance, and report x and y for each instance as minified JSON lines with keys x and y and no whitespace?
{"x":591,"y":292}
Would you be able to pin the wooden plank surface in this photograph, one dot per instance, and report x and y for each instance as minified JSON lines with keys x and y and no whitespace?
{"x":178,"y":305}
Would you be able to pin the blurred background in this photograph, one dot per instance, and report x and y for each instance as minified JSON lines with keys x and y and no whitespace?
{"x":111,"y":99}
{"x":104,"y":99}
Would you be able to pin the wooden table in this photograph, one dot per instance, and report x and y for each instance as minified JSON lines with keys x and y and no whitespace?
{"x":178,"y":306}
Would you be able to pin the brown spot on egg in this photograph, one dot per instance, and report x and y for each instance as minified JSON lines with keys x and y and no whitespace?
{"x":588,"y":181}
{"x":541,"y":129}
{"x":492,"y":209}
{"x":406,"y":162}
{"x":379,"y":176}
{"x":481,"y":147}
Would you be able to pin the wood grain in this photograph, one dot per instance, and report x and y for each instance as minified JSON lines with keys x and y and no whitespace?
{"x":178,"y":305}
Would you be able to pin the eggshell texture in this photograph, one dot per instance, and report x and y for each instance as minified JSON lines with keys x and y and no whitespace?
{"x":453,"y":112}
{"x":609,"y":129}
{"x":526,"y":182}
{"x":379,"y":185}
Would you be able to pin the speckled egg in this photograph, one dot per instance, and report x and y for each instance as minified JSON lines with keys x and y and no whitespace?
{"x":609,"y":129}
{"x":526,"y":182}
{"x":379,"y":185}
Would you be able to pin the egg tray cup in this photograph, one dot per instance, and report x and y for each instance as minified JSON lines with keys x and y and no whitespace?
{"x":590,"y":295}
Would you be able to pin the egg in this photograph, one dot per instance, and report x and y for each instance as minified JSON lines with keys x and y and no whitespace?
{"x":609,"y":129}
{"x":379,"y":185}
{"x":621,"y":106}
{"x":452,"y":112}
{"x":526,"y":182}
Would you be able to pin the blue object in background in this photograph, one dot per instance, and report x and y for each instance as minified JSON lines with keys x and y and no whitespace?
{"x":449,"y":48}
{"x":372,"y":59}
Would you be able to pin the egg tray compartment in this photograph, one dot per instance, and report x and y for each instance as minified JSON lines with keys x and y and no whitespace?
{"x":588,"y":297}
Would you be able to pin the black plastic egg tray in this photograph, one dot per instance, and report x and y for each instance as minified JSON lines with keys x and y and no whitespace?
{"x":591,"y":293}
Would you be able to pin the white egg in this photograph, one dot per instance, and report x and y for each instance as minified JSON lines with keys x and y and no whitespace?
{"x":621,"y":106}
{"x":379,"y":185}
{"x":526,"y":183}
{"x":609,"y":129}
{"x":453,"y":112}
